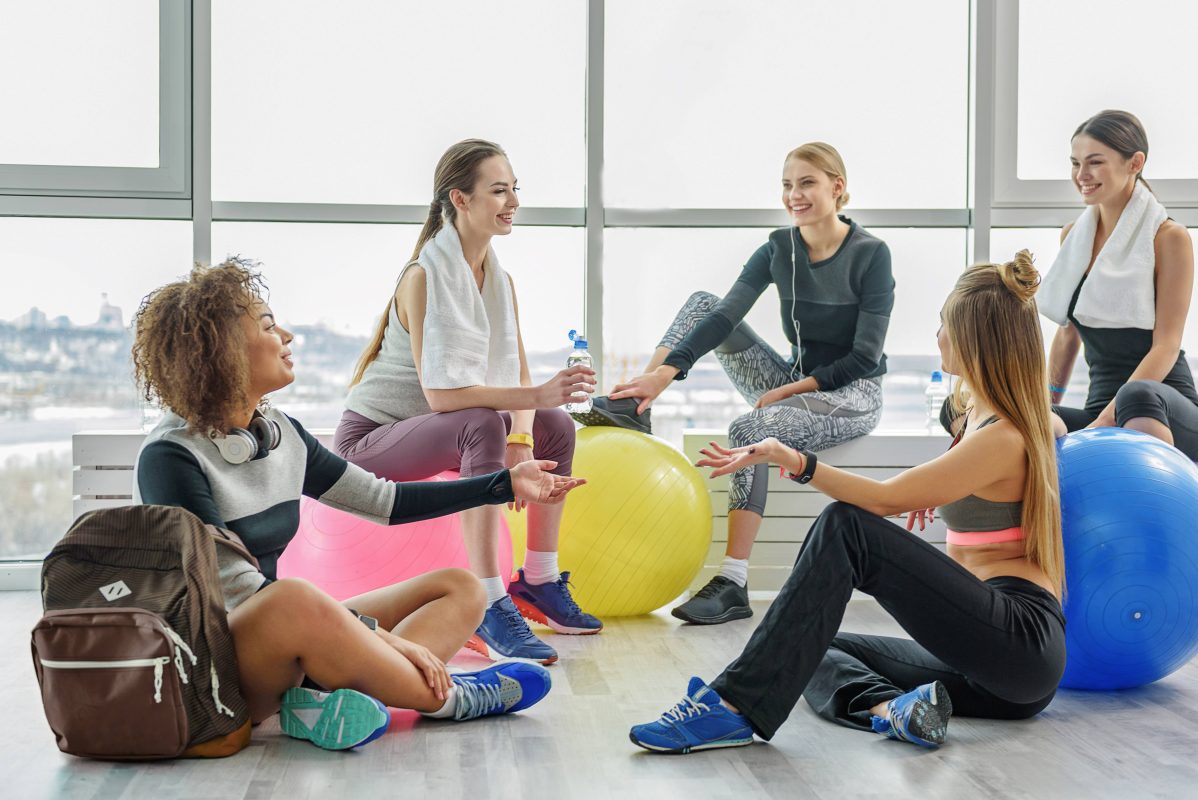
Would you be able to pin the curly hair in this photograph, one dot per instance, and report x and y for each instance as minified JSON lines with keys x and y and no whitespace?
{"x":189,"y":349}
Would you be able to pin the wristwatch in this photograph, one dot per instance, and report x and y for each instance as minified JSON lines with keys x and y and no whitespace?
{"x":809,"y":462}
{"x":366,"y":619}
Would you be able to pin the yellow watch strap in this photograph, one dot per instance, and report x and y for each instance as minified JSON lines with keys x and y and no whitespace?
{"x":520,"y":438}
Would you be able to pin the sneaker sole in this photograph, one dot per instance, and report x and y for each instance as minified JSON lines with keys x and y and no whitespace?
{"x":679,"y":751}
{"x":478,"y":645}
{"x":600,"y":419}
{"x":531,"y":612}
{"x":736,"y":612}
{"x":929,"y":720}
{"x":347,"y":718}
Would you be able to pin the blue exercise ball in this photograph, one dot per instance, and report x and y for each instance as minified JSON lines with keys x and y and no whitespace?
{"x":1128,"y":507}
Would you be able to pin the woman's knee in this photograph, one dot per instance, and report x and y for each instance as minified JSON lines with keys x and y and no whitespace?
{"x":555,"y":437}
{"x":1139,"y":398}
{"x":464,"y":586}
{"x":702,"y":300}
{"x":745,"y":429}
{"x":296,"y":598}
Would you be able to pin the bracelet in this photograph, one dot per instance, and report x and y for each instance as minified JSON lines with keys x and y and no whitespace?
{"x":520,"y":438}
{"x":1057,"y":389}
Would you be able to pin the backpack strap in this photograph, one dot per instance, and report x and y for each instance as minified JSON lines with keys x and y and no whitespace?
{"x":226,"y":538}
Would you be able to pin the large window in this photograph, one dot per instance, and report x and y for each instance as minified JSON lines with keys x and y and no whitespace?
{"x":64,"y":354}
{"x":355,"y":102}
{"x":648,"y":138}
{"x":704,"y":99}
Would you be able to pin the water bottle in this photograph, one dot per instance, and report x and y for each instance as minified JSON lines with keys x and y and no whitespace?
{"x":936,"y":393}
{"x":582,"y":402}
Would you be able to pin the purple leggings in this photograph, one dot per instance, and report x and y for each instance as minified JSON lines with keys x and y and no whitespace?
{"x":472,"y":440}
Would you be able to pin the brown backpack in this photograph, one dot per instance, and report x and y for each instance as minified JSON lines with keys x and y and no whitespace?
{"x":134,"y":655}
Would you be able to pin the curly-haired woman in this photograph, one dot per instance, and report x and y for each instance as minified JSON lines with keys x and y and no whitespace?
{"x":209,"y":350}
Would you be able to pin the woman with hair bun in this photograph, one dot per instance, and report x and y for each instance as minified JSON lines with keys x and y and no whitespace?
{"x":1121,"y":287}
{"x":988,"y":632}
{"x":836,"y":290}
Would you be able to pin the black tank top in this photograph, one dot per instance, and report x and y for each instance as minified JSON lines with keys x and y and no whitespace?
{"x":1112,"y":354}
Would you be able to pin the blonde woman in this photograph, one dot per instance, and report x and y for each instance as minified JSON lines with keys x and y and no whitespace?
{"x":836,"y":290}
{"x":985,"y":616}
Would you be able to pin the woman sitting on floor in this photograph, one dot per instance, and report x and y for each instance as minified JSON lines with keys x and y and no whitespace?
{"x":209,"y":350}
{"x":985,"y":617}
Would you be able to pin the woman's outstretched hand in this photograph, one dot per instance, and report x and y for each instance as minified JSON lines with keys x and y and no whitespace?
{"x":645,"y":387}
{"x":533,"y":483}
{"x":726,"y":460}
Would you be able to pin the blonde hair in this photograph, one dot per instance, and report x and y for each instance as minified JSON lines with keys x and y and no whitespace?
{"x":993,"y":327}
{"x":825,"y":158}
{"x":457,"y":169}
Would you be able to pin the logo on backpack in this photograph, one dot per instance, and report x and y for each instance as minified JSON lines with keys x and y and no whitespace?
{"x":115,"y":591}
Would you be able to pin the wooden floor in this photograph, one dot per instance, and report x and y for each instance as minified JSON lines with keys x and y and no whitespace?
{"x":1132,"y":744}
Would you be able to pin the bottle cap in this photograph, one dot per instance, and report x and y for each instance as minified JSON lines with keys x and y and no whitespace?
{"x":579,"y":341}
{"x":937,"y":377}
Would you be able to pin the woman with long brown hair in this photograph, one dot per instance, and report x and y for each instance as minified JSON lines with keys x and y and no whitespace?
{"x":988,"y":632}
{"x":445,"y":385}
{"x":1121,"y":286}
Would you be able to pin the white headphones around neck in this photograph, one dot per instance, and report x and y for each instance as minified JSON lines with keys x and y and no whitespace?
{"x":240,"y":445}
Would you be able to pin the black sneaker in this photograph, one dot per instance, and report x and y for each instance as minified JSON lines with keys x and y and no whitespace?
{"x":616,"y":414}
{"x":721,"y":600}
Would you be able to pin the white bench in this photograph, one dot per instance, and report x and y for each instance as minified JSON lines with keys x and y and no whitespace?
{"x":103,"y":477}
{"x":790,"y":509}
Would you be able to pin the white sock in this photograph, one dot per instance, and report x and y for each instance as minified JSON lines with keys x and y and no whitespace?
{"x":495,"y":589}
{"x":735,"y":570}
{"x":445,"y":711}
{"x":540,"y":567}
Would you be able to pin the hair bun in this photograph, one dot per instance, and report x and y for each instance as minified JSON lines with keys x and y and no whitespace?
{"x":1020,"y":275}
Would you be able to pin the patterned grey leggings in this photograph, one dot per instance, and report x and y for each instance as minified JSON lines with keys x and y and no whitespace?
{"x":811,"y":421}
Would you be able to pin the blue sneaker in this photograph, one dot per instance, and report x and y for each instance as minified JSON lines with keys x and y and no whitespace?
{"x":551,"y":604}
{"x":501,"y":689}
{"x":333,"y":720}
{"x":699,"y":722}
{"x":505,"y":634}
{"x":920,"y":716}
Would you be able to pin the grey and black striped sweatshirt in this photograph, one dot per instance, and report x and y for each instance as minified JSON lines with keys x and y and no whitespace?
{"x":841,"y":306}
{"x":260,"y":499}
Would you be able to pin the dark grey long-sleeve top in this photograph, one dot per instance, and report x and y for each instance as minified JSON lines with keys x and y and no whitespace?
{"x":841,"y":306}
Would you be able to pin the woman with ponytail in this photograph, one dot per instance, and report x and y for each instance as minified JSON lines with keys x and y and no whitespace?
{"x":1121,"y":286}
{"x":445,"y":384}
{"x":985,"y":615}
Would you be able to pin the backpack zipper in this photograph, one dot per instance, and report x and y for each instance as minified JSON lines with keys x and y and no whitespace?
{"x":157,"y":663}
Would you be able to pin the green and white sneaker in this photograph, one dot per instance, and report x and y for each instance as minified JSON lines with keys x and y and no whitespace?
{"x":335,"y":720}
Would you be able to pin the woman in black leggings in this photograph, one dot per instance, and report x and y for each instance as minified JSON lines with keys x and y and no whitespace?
{"x":1127,"y":254}
{"x":985,"y":617}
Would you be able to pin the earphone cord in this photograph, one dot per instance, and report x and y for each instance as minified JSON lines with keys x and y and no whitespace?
{"x":794,"y":299}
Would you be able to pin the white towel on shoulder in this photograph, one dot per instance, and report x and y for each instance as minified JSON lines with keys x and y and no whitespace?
{"x":469,"y":336}
{"x":1121,"y":289}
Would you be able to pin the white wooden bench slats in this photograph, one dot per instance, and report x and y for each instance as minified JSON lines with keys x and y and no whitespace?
{"x":791,"y":508}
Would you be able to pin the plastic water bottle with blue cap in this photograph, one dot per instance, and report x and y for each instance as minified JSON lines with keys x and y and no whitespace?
{"x":582,"y":402}
{"x":936,"y":393}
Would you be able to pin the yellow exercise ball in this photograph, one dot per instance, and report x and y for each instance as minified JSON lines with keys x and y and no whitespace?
{"x":636,"y":535}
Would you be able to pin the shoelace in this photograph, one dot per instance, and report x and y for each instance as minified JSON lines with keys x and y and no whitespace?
{"x":563,"y":588}
{"x":515,"y":623}
{"x":476,"y":699}
{"x":687,"y":708}
{"x":710,"y":589}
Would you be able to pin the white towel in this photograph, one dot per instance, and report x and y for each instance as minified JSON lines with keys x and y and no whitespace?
{"x":1121,"y":289}
{"x":469,"y":336}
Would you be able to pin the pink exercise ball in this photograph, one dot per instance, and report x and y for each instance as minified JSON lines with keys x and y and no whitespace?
{"x":347,"y":556}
